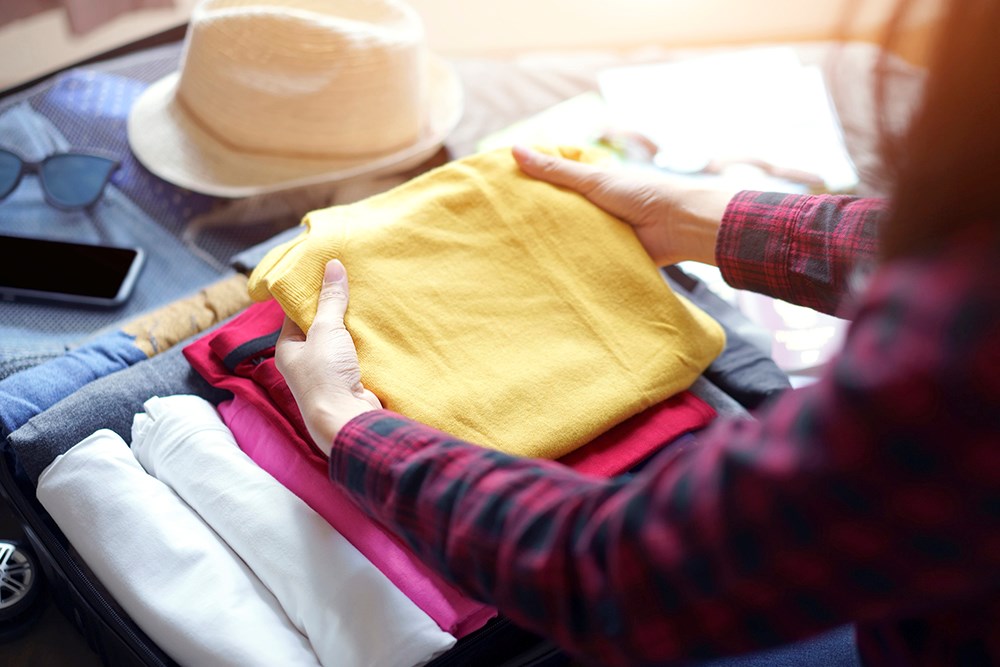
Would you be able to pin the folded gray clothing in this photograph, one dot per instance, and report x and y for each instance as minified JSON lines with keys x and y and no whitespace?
{"x":743,"y":370}
{"x":108,"y":402}
{"x":724,"y":404}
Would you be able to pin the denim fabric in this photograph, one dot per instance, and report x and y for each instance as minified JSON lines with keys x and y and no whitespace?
{"x":171,"y":270}
{"x":25,"y":394}
{"x":84,"y":102}
{"x":836,"y":648}
{"x":22,"y":359}
{"x":109,"y":402}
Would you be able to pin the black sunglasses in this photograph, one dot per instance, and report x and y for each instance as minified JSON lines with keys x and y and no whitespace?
{"x":69,"y":180}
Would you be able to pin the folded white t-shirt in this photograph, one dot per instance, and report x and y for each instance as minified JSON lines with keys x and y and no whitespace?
{"x":180,"y":583}
{"x":351,"y":613}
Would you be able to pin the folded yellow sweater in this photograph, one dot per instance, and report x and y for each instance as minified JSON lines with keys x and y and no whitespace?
{"x":496,"y":307}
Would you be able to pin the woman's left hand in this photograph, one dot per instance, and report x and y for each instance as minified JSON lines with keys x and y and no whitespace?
{"x":321,"y":369}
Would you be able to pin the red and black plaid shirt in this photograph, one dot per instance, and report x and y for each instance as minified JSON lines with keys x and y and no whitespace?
{"x":871,"y":496}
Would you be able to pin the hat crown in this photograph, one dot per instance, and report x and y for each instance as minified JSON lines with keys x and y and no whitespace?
{"x":301,"y":78}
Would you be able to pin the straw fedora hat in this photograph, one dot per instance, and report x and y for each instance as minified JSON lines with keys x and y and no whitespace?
{"x":278,"y":94}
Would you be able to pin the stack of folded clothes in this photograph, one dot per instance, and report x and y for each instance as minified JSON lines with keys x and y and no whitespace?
{"x":182,"y":470}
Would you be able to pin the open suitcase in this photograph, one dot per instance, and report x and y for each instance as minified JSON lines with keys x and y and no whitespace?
{"x":97,"y":615}
{"x":100,"y":619}
{"x":66,"y":110}
{"x":117,"y":639}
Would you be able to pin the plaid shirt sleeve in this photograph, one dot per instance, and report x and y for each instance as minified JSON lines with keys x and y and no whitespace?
{"x":804,"y":249}
{"x":870,"y":495}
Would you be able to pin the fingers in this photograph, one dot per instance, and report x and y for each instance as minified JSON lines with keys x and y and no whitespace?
{"x":371,"y":399}
{"x":556,"y":170}
{"x":289,"y":338}
{"x":290,"y":332}
{"x":333,"y":297}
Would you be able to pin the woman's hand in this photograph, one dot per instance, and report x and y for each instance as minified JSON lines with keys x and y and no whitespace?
{"x":321,"y":369}
{"x":673,"y":220}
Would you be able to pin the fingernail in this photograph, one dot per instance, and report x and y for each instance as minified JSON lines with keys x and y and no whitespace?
{"x":334,"y":271}
{"x":524,"y":152}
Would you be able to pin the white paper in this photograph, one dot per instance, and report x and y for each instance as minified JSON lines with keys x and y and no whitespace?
{"x":760,"y":103}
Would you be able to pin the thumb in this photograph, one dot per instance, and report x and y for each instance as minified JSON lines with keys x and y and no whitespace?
{"x":556,"y":170}
{"x":333,"y":297}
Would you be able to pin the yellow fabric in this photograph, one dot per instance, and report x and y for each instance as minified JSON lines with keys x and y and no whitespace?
{"x":496,"y":307}
{"x":164,"y":327}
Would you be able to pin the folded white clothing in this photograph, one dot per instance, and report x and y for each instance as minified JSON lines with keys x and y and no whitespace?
{"x":169,"y":571}
{"x":352,"y":614}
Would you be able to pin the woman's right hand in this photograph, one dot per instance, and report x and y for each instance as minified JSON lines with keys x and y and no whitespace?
{"x":673,"y":220}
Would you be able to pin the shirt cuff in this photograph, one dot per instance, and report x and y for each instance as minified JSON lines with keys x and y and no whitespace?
{"x":755,"y":238}
{"x":369,"y":444}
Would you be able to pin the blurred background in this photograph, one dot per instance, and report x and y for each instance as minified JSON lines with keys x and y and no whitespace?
{"x":38,"y":37}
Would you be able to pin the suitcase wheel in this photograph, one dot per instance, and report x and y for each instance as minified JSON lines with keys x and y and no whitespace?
{"x":20,"y":584}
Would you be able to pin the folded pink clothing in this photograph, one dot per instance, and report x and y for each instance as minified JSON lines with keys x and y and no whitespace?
{"x":239,"y":357}
{"x":263,"y":442}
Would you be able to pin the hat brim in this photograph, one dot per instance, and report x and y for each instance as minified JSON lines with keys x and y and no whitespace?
{"x":174,"y":147}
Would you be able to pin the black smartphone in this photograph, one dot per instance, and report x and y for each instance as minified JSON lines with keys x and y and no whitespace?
{"x":79,"y":273}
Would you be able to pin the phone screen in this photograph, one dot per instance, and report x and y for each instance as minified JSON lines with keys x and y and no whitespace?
{"x":73,"y":272}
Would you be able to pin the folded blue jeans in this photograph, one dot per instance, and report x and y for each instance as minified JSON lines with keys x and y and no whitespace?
{"x":835,"y":648}
{"x":108,"y":402}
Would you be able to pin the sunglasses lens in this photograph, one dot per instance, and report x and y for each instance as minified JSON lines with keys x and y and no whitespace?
{"x":10,"y":172}
{"x":75,"y":181}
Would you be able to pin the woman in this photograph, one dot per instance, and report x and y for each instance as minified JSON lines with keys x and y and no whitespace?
{"x":871,"y":497}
